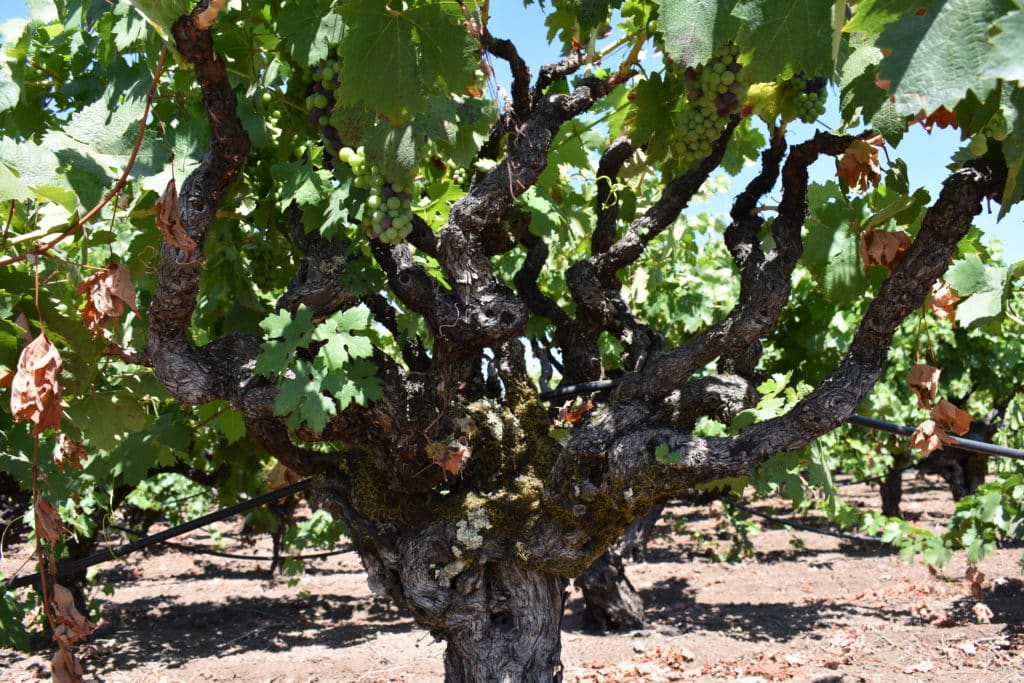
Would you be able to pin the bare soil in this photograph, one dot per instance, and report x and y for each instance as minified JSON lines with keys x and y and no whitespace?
{"x":807,"y":607}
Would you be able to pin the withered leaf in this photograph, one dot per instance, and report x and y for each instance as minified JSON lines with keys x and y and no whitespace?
{"x":48,"y":523}
{"x":944,"y":301}
{"x":983,"y":613}
{"x":168,"y":219}
{"x":941,"y":117}
{"x":69,"y":453}
{"x":975,"y":582}
{"x":572,"y":413}
{"x":858,"y":166}
{"x":924,"y":382}
{"x":928,"y":437}
{"x":950,"y":418}
{"x":883,"y":248}
{"x":35,"y":391}
{"x":108,"y":291}
{"x":76,"y":626}
{"x":66,"y":668}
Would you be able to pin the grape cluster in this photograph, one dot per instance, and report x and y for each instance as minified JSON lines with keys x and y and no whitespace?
{"x":388,"y":213}
{"x":320,"y":105}
{"x":714,"y":92}
{"x":996,"y":128}
{"x":809,"y":97}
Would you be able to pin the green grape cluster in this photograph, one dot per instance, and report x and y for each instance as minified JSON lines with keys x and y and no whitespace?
{"x":996,"y":128}
{"x":809,"y":97}
{"x":714,"y":92}
{"x":320,"y":105}
{"x":388,"y":213}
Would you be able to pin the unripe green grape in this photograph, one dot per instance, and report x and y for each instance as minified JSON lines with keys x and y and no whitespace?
{"x":978,"y":145}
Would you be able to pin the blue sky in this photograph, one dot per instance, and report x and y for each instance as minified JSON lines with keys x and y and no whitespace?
{"x":926,"y":155}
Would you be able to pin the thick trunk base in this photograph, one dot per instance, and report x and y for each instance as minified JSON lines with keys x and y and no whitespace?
{"x":509,"y":630}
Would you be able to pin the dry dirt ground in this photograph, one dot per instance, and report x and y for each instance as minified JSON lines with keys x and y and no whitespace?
{"x":808,"y":607}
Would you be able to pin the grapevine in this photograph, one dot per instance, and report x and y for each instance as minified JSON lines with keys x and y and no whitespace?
{"x":714,"y":92}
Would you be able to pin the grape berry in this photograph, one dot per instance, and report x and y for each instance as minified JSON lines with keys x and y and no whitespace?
{"x":809,"y":97}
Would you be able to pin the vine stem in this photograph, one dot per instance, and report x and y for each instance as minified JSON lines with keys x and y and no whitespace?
{"x":118,"y":186}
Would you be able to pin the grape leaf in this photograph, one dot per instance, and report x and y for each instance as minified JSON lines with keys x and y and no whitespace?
{"x":923,"y":71}
{"x":694,"y":30}
{"x":394,"y":78}
{"x":287,"y":334}
{"x":871,"y":16}
{"x":785,"y":36}
{"x":357,"y":383}
{"x":1006,"y":60}
{"x":980,"y":287}
{"x":342,"y":346}
{"x":308,"y":29}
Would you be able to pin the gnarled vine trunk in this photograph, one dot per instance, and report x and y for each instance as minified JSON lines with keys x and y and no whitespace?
{"x":465,"y":505}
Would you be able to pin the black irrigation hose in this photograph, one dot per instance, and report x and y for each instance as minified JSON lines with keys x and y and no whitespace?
{"x":200,"y":550}
{"x":799,"y":525}
{"x":70,"y":567}
{"x":956,"y":441}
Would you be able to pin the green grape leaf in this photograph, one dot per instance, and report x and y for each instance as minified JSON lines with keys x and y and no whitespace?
{"x":1013,"y":151}
{"x":784,"y":37}
{"x":409,"y":48}
{"x":355,"y":383}
{"x":1006,"y":60}
{"x":161,"y":13}
{"x":694,"y":30}
{"x":447,"y":50}
{"x":980,"y":286}
{"x":10,"y":91}
{"x":105,"y":416}
{"x":341,"y":346}
{"x":970,"y":275}
{"x":308,"y":29}
{"x":871,"y":16}
{"x":923,"y":71}
{"x":831,"y":248}
{"x":286,"y":335}
{"x":980,"y":308}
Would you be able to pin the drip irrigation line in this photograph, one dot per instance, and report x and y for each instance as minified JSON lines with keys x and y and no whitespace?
{"x":800,"y":525}
{"x":200,"y":550}
{"x":955,"y":441}
{"x":70,"y":567}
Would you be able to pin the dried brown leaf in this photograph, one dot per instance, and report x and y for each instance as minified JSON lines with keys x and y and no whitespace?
{"x":69,"y":453}
{"x":975,"y":582}
{"x":926,"y":438}
{"x":941,"y":117}
{"x":108,"y":291}
{"x":76,"y":626}
{"x":950,"y":418}
{"x":66,"y":668}
{"x":982,"y":612}
{"x":572,"y":413}
{"x":924,"y":382}
{"x":35,"y":391}
{"x":858,"y":166}
{"x":48,"y":523}
{"x":883,"y":248}
{"x":168,"y":219}
{"x":944,"y":301}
